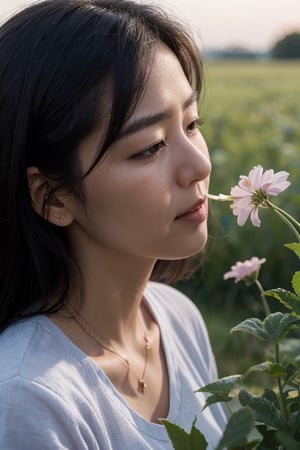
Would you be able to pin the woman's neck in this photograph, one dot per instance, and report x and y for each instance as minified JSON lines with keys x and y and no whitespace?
{"x":113,"y":290}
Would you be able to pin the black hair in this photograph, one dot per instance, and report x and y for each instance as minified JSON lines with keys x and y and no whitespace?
{"x":56,"y":60}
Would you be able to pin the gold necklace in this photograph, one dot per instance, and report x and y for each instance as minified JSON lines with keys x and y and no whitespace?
{"x":89,"y":330}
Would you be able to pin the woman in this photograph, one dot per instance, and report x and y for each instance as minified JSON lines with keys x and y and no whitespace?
{"x":104,"y":181}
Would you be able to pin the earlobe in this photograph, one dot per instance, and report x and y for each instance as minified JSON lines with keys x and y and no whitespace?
{"x":50,"y":207}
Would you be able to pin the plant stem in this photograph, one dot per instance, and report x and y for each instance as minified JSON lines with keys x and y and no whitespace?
{"x":286,"y":214}
{"x":220,"y":197}
{"x":263,"y":298}
{"x":289,"y":224}
{"x":292,"y":223}
{"x":282,"y":405}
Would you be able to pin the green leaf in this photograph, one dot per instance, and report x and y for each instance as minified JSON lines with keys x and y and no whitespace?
{"x":294,"y":422}
{"x":198,"y":441}
{"x":277,"y":370}
{"x":277,"y":325}
{"x":179,"y":437}
{"x":296,"y":283}
{"x":288,"y":299}
{"x":237,"y":430}
{"x":264,"y":410}
{"x":181,"y":440}
{"x":272,"y":329}
{"x":220,"y":390}
{"x":252,"y":326}
{"x":223,"y":386}
{"x":287,"y":440}
{"x":273,"y":369}
{"x":217,"y":399}
{"x":270,"y":395}
{"x":269,"y":440}
{"x":295,"y":247}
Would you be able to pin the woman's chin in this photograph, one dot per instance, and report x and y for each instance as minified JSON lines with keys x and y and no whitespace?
{"x":188,"y":250}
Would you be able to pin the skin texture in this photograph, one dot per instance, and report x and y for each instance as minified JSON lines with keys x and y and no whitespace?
{"x":138,"y":204}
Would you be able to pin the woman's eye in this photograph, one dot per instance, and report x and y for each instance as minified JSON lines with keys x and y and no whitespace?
{"x":194,"y":125}
{"x":151,"y":152}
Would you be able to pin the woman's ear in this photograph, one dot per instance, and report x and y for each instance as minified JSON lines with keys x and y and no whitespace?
{"x":55,"y":209}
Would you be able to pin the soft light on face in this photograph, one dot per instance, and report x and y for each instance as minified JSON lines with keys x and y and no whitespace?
{"x":147,"y":197}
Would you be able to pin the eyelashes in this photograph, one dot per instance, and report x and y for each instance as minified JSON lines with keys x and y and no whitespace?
{"x":154,"y":150}
{"x":195,"y":124}
{"x":150,"y":152}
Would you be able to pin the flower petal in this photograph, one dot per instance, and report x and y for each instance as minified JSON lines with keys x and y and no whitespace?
{"x":255,"y":176}
{"x":278,"y":188}
{"x":242,"y":216}
{"x":267,"y":177}
{"x":242,"y":203}
{"x":236,"y":191}
{"x":256,"y":222}
{"x":246,"y":184}
{"x":245,"y":269}
{"x":280,"y":176}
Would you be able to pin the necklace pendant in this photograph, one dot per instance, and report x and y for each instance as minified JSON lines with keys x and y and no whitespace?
{"x":141,"y":386}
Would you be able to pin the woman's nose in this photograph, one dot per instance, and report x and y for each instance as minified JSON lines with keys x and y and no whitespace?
{"x":193,"y":161}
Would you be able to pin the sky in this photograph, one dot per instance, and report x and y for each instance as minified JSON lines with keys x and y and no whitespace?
{"x":253,"y":24}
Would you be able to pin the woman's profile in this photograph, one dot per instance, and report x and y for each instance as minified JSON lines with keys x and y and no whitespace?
{"x":104,"y":178}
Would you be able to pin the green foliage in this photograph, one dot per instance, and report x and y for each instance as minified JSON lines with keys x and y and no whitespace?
{"x":287,"y":440}
{"x":265,"y":410}
{"x":288,"y":299}
{"x":274,"y":327}
{"x":275,"y":412}
{"x":274,"y":369}
{"x":296,"y":283}
{"x":295,"y":247}
{"x":235,"y":434}
{"x":237,"y":430}
{"x":287,"y":47}
{"x":182,"y":440}
{"x":220,"y":390}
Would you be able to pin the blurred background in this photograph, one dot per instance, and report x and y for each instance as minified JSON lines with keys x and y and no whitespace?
{"x":251,"y":108}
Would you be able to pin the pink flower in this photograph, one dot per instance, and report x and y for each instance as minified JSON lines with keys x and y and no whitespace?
{"x":253,"y":190}
{"x":247,"y":270}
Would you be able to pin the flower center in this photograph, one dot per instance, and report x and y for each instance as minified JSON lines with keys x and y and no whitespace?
{"x":259,"y":198}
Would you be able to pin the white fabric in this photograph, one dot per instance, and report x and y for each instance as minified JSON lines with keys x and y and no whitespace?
{"x":52,"y":396}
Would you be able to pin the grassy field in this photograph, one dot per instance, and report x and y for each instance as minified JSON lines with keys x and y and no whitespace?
{"x":252,"y":116}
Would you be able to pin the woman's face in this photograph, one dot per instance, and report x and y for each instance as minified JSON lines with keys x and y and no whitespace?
{"x":147,"y":197}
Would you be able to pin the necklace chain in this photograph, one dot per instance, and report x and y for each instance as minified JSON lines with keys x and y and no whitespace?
{"x":89,"y":330}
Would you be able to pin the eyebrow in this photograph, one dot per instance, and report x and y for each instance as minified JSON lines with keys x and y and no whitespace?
{"x":148,"y":121}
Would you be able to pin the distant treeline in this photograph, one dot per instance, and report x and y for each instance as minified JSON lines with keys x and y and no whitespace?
{"x":288,"y":47}
{"x":236,"y":53}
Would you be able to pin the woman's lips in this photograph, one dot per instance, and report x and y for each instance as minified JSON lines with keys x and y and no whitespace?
{"x":196,"y":214}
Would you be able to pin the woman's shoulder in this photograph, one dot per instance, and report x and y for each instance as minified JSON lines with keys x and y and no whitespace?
{"x":15,"y":342}
{"x":27,"y":349}
{"x":42,"y":397}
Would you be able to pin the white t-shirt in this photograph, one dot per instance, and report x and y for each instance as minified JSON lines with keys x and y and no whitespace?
{"x":53,"y":396}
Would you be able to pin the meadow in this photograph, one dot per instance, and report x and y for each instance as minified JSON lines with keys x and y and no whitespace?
{"x":252,"y":116}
